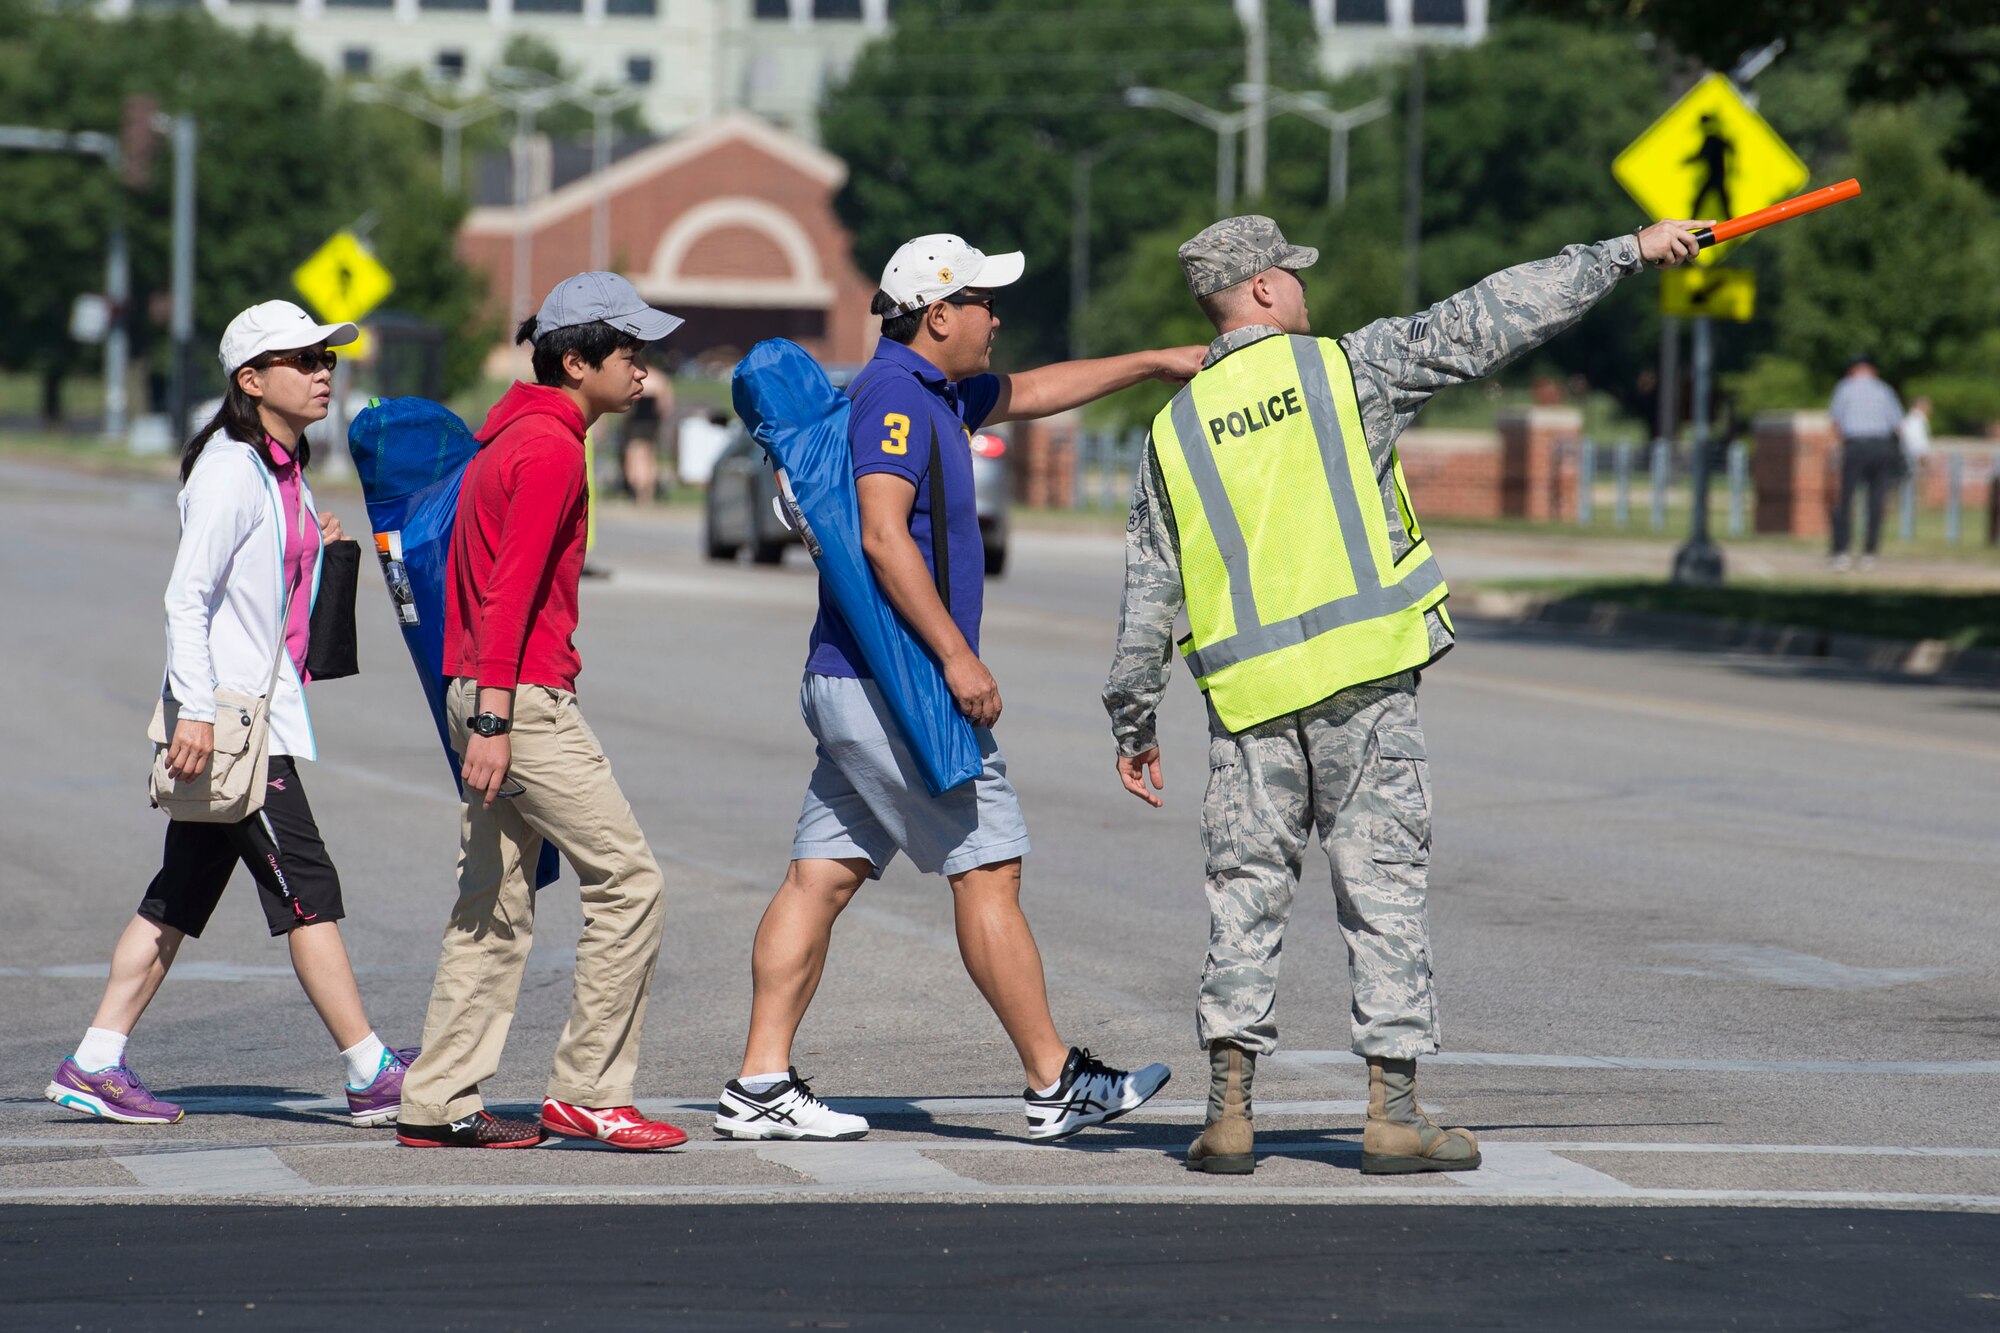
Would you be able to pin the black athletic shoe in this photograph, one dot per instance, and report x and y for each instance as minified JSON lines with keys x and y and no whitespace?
{"x":478,"y":1130}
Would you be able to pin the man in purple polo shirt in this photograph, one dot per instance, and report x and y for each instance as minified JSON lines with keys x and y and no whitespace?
{"x":916,"y":405}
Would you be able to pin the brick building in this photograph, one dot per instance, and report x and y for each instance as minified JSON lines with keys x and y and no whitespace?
{"x":730,"y":225}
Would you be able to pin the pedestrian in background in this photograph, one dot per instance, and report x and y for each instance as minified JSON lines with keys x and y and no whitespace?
{"x":641,"y":457}
{"x":1915,"y":435}
{"x":532,"y":768}
{"x":916,"y":404}
{"x":1271,"y":506}
{"x":1868,"y":417}
{"x":239,"y":601}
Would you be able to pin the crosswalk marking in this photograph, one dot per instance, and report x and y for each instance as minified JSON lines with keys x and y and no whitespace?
{"x":1513,"y":1172}
{"x":215,"y":1171}
{"x":868,"y":1168}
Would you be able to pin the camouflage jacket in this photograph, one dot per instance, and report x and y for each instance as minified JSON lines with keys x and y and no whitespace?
{"x":1398,"y":364}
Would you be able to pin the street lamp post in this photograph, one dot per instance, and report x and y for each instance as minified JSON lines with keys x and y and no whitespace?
{"x":527,"y":93}
{"x":602,"y":107}
{"x":1081,"y":166}
{"x":181,"y":129}
{"x":1256,"y":66}
{"x":117,"y":259}
{"x":1338,"y":124}
{"x":1225,"y":124}
{"x":450,"y":120}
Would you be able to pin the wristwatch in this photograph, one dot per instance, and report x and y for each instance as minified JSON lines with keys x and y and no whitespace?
{"x":489,"y":724}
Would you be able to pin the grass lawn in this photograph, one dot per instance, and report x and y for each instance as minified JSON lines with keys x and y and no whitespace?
{"x":1963,"y":620}
{"x":91,"y":453}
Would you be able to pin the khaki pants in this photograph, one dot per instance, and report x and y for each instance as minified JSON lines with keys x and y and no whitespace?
{"x":568,"y":796}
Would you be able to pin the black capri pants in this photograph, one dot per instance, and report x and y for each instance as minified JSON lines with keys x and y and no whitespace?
{"x":280,"y":844}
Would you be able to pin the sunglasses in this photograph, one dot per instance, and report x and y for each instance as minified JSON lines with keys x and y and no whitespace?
{"x":309,"y":362}
{"x":984,"y":301}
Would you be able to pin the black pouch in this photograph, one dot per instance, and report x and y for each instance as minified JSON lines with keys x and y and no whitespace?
{"x":333,"y":651}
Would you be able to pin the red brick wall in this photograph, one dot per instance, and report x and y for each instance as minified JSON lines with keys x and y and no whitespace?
{"x":728,"y":252}
{"x":1452,"y":474}
{"x":1538,"y":462}
{"x":1791,"y":469}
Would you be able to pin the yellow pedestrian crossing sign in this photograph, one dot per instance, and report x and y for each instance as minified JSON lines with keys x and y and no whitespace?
{"x":343,"y":279}
{"x":1709,"y":293}
{"x":1709,"y":156}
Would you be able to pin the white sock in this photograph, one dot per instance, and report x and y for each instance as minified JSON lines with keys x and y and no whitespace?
{"x":763,"y":1083}
{"x":1050,"y":1090}
{"x":364,"y":1060}
{"x":100,"y":1049}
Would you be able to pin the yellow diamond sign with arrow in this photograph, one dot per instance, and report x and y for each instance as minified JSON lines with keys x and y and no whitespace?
{"x":343,"y":279}
{"x":1709,"y":156}
{"x":1709,"y":293}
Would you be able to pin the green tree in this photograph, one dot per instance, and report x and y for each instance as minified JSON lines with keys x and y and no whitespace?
{"x":969,"y":115}
{"x":282,"y":164}
{"x":1912,"y":272}
{"x":1519,"y":134}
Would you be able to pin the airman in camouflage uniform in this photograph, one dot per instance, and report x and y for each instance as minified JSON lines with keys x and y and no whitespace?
{"x":1352,"y":765}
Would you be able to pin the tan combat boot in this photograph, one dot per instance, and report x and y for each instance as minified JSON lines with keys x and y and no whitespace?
{"x":1399,"y":1138}
{"x":1226,"y":1143}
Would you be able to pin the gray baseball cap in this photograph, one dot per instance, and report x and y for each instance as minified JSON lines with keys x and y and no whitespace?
{"x":585,"y":298}
{"x":1238,"y":249}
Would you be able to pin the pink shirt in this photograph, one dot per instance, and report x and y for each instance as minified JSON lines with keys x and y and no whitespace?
{"x":301,"y":553}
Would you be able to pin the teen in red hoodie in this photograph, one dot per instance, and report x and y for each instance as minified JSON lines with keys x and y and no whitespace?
{"x":532,"y":769}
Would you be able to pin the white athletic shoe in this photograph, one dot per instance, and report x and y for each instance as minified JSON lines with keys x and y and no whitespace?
{"x":1090,"y":1093}
{"x":788,"y":1111}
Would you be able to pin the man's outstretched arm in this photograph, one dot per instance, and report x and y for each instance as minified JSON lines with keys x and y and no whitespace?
{"x":1474,"y":333}
{"x":1066,"y":384}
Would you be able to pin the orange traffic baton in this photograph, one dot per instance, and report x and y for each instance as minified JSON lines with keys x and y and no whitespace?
{"x":1783,"y":211}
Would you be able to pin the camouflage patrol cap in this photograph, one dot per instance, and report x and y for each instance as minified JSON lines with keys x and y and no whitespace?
{"x":1238,"y":249}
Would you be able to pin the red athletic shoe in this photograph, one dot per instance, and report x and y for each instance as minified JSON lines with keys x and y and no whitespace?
{"x":619,"y":1126}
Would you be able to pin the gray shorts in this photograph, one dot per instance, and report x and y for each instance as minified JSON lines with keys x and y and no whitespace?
{"x":868,"y":799}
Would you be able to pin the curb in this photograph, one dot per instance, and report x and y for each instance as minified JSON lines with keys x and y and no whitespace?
{"x":1929,"y":659}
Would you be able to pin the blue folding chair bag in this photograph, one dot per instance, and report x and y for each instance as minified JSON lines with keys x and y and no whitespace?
{"x":800,"y":419}
{"x":411,"y":455}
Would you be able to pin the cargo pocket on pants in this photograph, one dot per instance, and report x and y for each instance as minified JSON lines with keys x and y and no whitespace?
{"x":1222,"y":812}
{"x":1398,"y":798}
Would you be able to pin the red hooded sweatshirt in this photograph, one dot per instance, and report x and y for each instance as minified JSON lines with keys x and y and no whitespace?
{"x":517,"y":547}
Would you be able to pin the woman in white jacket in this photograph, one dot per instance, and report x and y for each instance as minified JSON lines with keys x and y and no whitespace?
{"x":243,"y":582}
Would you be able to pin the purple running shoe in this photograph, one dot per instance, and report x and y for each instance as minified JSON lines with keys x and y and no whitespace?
{"x":382,"y":1100}
{"x":113,"y":1094}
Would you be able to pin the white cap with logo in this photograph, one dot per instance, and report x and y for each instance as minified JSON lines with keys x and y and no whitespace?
{"x":932,"y":267}
{"x":277,"y":326}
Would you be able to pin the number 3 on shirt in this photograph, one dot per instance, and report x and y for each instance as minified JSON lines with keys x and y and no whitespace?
{"x":898,"y":427}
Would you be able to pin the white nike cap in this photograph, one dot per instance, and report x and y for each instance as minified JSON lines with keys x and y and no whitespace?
{"x":277,"y":326}
{"x":932,"y":267}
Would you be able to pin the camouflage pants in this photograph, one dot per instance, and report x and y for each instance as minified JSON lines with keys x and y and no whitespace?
{"x":1354,"y":766}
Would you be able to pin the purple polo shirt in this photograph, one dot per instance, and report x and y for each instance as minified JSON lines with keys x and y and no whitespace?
{"x":899,"y":399}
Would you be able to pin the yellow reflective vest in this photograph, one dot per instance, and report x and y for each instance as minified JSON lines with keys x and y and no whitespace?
{"x":1292,"y":593}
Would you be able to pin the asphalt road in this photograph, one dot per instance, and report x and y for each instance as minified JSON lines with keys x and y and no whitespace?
{"x":1713,"y":934}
